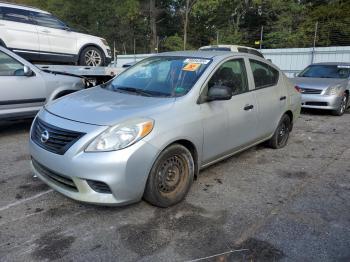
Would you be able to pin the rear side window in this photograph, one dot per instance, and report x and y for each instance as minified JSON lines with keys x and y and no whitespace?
{"x":15,"y":15}
{"x":264,"y":75}
{"x":9,"y":66}
{"x":254,"y":52}
{"x":0,"y":13}
{"x":48,"y":20}
{"x":242,"y":50}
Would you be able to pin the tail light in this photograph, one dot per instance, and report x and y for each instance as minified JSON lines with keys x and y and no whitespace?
{"x":298,"y":89}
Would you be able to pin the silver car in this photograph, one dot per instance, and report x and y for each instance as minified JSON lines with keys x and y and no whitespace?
{"x":325,"y":86}
{"x":148,"y":132}
{"x":24,"y":88}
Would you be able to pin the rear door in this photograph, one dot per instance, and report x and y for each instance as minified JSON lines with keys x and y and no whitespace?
{"x":229,"y":125}
{"x":61,"y":40}
{"x":18,"y":31}
{"x":268,"y":96}
{"x":20,"y":95}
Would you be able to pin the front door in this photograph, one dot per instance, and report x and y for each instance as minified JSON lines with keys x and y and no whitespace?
{"x":20,"y":95}
{"x":229,"y":125}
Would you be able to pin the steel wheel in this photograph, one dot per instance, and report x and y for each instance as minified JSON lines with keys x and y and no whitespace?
{"x":171,"y":176}
{"x":281,"y":135}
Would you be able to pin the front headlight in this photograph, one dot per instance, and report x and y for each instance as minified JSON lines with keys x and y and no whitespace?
{"x":121,"y":136}
{"x":333,"y":90}
{"x":104,"y":41}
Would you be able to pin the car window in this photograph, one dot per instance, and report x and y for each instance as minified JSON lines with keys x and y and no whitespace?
{"x":254,"y":52}
{"x":242,"y":50}
{"x":264,"y":75}
{"x":1,"y":16}
{"x":9,"y":66}
{"x":48,"y":20}
{"x":161,"y":76}
{"x":16,"y":15}
{"x":231,"y":74}
{"x":326,"y":71}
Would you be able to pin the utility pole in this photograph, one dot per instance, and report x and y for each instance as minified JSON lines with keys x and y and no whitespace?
{"x":314,"y":45}
{"x":217,"y":37}
{"x":261,"y":36}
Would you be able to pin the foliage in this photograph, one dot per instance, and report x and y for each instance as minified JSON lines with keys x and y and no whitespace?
{"x":133,"y":26}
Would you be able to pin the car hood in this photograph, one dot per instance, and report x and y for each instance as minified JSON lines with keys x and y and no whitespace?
{"x":99,"y":106}
{"x":317,"y":83}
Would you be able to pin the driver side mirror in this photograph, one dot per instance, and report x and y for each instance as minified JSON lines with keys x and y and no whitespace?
{"x":27,"y":71}
{"x":219,"y":92}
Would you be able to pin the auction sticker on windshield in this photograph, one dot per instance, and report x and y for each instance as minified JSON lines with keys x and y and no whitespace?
{"x":191,"y":67}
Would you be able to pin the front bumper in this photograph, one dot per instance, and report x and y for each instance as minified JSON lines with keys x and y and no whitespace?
{"x":320,"y":101}
{"x":125,"y":172}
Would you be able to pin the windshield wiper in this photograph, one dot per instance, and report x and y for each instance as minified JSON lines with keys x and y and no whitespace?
{"x":134,"y":90}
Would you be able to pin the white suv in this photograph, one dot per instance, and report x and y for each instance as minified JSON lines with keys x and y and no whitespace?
{"x":38,"y":36}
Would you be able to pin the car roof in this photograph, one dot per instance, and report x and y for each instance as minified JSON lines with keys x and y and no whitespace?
{"x":228,"y":46}
{"x":22,"y":7}
{"x":332,"y":63}
{"x":201,"y":54}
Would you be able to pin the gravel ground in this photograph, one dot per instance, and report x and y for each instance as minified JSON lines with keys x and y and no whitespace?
{"x":291,"y":204}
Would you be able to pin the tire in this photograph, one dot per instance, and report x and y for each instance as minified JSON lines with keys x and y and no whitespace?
{"x":171,"y":177}
{"x":92,"y":56}
{"x":342,"y":106}
{"x":281,"y":135}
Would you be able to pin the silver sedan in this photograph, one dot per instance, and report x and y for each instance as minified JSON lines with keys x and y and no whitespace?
{"x":325,"y":86}
{"x":148,"y":132}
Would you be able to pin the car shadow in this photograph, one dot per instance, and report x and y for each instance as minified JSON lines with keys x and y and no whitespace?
{"x":15,"y":126}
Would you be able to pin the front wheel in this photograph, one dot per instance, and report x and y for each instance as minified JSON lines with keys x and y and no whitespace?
{"x":171,"y":177}
{"x":92,"y":56}
{"x":281,"y":135}
{"x":342,"y":106}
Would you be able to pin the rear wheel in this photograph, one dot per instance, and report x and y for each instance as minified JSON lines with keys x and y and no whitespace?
{"x":281,"y":135}
{"x":171,"y":177}
{"x":92,"y":56}
{"x":342,"y":106}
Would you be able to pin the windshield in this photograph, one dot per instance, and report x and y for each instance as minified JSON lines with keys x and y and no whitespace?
{"x":326,"y":71}
{"x":160,"y":76}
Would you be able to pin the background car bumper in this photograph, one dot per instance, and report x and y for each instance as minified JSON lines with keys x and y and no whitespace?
{"x":120,"y":175}
{"x":320,"y":101}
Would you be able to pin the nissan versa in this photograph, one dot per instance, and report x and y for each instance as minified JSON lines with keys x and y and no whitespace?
{"x":325,"y":86}
{"x":148,"y":132}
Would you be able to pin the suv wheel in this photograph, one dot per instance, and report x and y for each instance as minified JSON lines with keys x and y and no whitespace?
{"x":281,"y":135}
{"x":92,"y":56}
{"x":342,"y":106}
{"x":171,"y":177}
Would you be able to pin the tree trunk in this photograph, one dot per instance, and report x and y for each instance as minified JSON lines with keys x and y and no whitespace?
{"x":152,"y":14}
{"x":186,"y":22}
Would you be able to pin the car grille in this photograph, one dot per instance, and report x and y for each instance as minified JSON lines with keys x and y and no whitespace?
{"x":310,"y":91}
{"x":316,"y":103}
{"x":53,"y":139}
{"x":63,"y":181}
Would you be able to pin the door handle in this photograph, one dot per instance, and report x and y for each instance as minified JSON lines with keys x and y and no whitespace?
{"x":45,"y":31}
{"x":248,"y":107}
{"x":283,"y":98}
